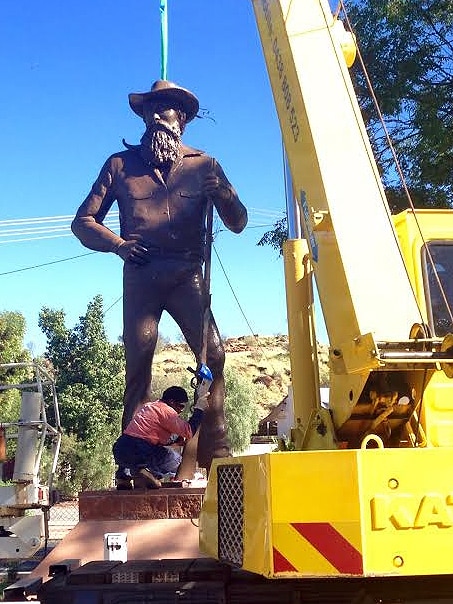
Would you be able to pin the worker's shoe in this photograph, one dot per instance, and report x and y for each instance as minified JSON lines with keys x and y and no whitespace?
{"x":123,"y":479}
{"x":124,"y":484}
{"x":144,"y":479}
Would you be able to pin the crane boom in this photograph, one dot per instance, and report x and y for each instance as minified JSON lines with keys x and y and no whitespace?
{"x":335,"y":178}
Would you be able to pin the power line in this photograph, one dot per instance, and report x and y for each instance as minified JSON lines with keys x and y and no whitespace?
{"x":40,"y":233}
{"x":112,"y":213}
{"x":232,"y":289}
{"x":45,"y":229}
{"x":24,"y":239}
{"x":20,"y":230}
{"x":112,"y":305}
{"x":34,"y":266}
{"x":267,"y":212}
{"x":120,"y":297}
{"x":259,"y":345}
{"x":15,"y":221}
{"x":68,"y":217}
{"x":37,"y":234}
{"x":54,"y":227}
{"x":28,"y":268}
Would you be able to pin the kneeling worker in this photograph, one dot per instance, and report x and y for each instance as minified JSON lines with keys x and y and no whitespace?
{"x":143,"y":452}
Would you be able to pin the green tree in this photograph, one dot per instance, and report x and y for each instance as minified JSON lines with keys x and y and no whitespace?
{"x":89,"y":373}
{"x":407,"y":49}
{"x":83,"y":466}
{"x":276,"y":236}
{"x":12,"y":333}
{"x":83,"y":355}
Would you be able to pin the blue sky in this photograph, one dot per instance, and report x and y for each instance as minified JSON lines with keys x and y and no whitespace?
{"x":67,"y":68}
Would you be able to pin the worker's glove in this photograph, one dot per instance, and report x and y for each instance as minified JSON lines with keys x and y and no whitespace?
{"x":203,"y":388}
{"x":202,"y":402}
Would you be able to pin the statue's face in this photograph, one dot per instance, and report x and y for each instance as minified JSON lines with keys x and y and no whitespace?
{"x":162,"y":115}
{"x":164,"y":125}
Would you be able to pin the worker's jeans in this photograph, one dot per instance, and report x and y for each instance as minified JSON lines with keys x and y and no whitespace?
{"x":135,"y":453}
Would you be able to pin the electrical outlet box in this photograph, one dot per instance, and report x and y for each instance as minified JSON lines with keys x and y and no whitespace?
{"x":115,"y":546}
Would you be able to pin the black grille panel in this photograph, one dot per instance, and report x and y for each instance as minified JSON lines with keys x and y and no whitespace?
{"x":231,"y":513}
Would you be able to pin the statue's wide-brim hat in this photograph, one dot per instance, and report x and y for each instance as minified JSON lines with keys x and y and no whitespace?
{"x":164,"y":91}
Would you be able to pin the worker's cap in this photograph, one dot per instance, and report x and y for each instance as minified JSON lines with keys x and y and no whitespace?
{"x":168,"y":92}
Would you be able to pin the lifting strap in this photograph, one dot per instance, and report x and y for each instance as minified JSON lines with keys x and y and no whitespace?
{"x":187,"y":467}
{"x":163,"y":39}
{"x":207,"y":280}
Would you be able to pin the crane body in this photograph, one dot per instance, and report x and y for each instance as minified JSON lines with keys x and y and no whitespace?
{"x":26,"y":493}
{"x":366,"y":492}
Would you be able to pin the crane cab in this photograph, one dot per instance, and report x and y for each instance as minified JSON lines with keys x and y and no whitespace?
{"x":426,"y":242}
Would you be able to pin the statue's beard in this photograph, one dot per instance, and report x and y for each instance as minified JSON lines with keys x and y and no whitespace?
{"x":162,"y":143}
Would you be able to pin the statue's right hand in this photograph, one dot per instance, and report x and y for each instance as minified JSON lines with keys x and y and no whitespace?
{"x":132,"y":251}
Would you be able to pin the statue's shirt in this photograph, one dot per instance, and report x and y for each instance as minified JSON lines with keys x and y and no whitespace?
{"x":165,"y":214}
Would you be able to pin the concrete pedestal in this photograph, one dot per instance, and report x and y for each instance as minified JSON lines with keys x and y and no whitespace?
{"x":160,"y":524}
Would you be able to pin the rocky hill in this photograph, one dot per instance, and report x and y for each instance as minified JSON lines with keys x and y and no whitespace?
{"x":260,"y":359}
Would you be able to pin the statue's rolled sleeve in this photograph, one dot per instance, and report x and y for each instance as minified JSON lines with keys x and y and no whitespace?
{"x":88,"y":225}
{"x":228,"y":205}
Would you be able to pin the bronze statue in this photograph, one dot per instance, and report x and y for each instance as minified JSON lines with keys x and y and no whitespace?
{"x":163,"y":188}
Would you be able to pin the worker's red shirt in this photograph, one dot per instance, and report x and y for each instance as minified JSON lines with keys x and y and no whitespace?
{"x":158,"y":423}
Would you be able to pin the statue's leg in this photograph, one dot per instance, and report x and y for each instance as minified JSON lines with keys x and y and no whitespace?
{"x":142,"y":309}
{"x":187,"y":307}
{"x":213,"y":441}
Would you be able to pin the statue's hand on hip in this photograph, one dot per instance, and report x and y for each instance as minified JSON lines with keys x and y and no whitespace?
{"x":132,"y":251}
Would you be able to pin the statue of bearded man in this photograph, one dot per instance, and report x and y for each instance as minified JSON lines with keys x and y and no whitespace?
{"x":163,"y":189}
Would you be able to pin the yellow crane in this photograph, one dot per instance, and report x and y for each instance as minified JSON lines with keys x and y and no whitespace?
{"x":366,"y":491}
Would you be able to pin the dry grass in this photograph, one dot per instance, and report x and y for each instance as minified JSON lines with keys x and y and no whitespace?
{"x":261,"y":359}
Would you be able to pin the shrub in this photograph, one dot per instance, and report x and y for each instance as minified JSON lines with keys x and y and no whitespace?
{"x":241,"y":409}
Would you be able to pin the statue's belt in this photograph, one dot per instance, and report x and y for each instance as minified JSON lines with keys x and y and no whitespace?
{"x":152,"y":251}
